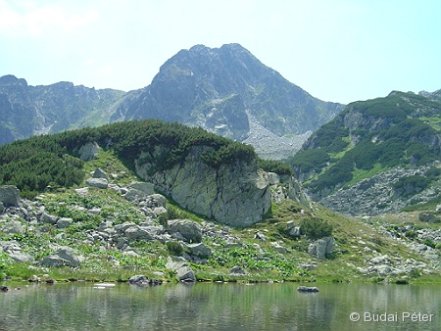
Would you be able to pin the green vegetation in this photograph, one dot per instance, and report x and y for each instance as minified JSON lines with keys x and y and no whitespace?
{"x":411,"y":185}
{"x":35,"y":163}
{"x":389,"y":132}
{"x":310,"y":160}
{"x":278,"y":167}
{"x":315,"y":228}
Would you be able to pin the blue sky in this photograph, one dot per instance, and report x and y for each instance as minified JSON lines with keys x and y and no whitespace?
{"x":337,"y":50}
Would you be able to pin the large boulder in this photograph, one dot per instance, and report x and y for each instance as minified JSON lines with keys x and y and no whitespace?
{"x":183,"y":272}
{"x":137,"y":233}
{"x":322,"y":248}
{"x":89,"y":151}
{"x":9,"y":195}
{"x":190,"y":231}
{"x":21,"y":257}
{"x":199,"y":250}
{"x":64,"y":256}
{"x":234,"y":193}
{"x":147,"y":188}
{"x":97,"y":182}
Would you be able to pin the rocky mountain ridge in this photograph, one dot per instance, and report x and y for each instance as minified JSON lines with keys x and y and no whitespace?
{"x":224,"y":90}
{"x":27,"y":110}
{"x":380,"y":155}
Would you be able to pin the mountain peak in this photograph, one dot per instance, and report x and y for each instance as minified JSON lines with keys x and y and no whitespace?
{"x":11,"y":80}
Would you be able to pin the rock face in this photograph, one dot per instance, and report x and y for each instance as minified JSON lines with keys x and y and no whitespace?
{"x":27,"y":110}
{"x":9,"y":195}
{"x":377,"y":194}
{"x":357,"y":163}
{"x":233,"y":194}
{"x":229,"y":92}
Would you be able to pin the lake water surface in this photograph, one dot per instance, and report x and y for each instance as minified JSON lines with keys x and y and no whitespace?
{"x":221,"y":307}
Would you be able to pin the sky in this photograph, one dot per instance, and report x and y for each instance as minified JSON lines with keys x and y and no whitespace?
{"x":337,"y":50}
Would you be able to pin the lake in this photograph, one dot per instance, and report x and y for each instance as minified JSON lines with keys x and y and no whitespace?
{"x":221,"y":307}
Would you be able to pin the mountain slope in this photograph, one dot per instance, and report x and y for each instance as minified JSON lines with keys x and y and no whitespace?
{"x":224,"y":90}
{"x":220,"y":89}
{"x":111,"y":226}
{"x":30,"y":110}
{"x":376,"y":156}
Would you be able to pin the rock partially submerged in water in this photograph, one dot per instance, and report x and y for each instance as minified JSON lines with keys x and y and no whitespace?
{"x":4,"y":289}
{"x":142,"y":280}
{"x":307,"y":289}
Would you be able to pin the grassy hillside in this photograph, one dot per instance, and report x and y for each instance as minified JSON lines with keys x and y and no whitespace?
{"x":35,"y":163}
{"x":369,"y":137}
{"x":265,"y":251}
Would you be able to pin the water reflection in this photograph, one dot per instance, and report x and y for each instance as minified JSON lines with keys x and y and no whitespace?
{"x":213,"y":307}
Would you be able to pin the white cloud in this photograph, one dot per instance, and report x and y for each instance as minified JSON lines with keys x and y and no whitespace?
{"x":27,"y":19}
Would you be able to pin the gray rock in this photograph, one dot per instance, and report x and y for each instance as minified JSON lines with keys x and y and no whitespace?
{"x":89,"y":151}
{"x":307,"y":289}
{"x":137,"y":233}
{"x":97,"y":182}
{"x":279,"y":248}
{"x":82,"y":191}
{"x":2,"y":207}
{"x":234,"y":194}
{"x":185,"y":274}
{"x":14,"y":227}
{"x":124,"y":226}
{"x":21,"y":257}
{"x":159,"y":211}
{"x":199,"y":250}
{"x":322,"y":248}
{"x":292,"y":230}
{"x":138,"y":280}
{"x":47,"y":218}
{"x":146,"y":188}
{"x":189,"y":230}
{"x":175,"y":262}
{"x":134,"y":195}
{"x":64,"y":256}
{"x":9,"y":195}
{"x":64,"y":222}
{"x":156,"y":200}
{"x":236,"y":270}
{"x":99,"y":173}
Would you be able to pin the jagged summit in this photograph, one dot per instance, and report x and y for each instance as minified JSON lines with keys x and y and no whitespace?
{"x":219,"y":89}
{"x":216,"y":88}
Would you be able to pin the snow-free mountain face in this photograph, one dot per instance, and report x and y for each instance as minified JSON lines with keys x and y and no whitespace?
{"x":31,"y":110}
{"x":225,"y":90}
{"x":377,"y":155}
{"x":230,"y":92}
